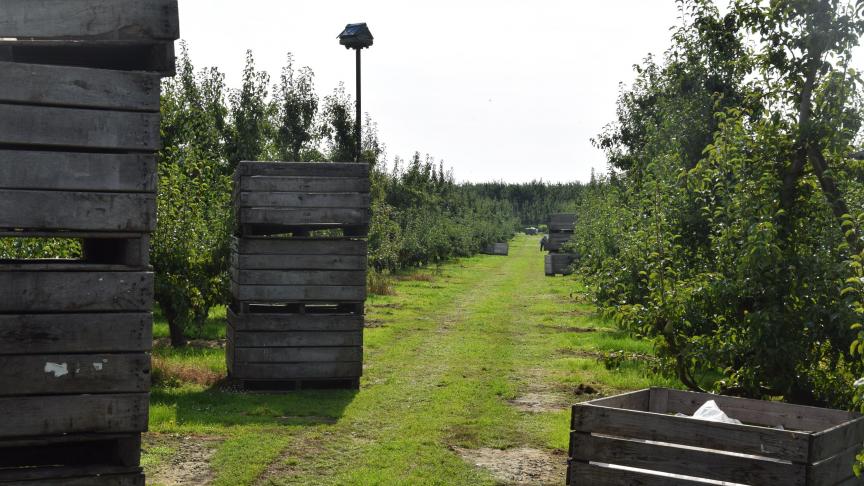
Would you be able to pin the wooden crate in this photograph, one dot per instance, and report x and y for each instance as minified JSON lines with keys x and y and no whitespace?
{"x":557,"y":240}
{"x":559,"y":264}
{"x":274,"y":270}
{"x":296,"y":197}
{"x":562,"y":222}
{"x":501,"y":249}
{"x":635,"y":438}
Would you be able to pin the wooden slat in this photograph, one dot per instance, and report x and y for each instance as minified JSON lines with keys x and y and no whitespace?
{"x":302,"y":200}
{"x":77,"y":128}
{"x":275,"y":293}
{"x":303,"y":217}
{"x":298,"y":246}
{"x":294,"y":322}
{"x":128,"y":20}
{"x":298,"y":355}
{"x":41,"y":374}
{"x":635,"y":400}
{"x":75,"y":291}
{"x":658,"y":402}
{"x":835,"y":440}
{"x":691,"y":462}
{"x":128,"y":479}
{"x":40,"y":84}
{"x":68,"y":414}
{"x":583,"y":474}
{"x":78,"y":211}
{"x":295,"y":339}
{"x":778,"y":444}
{"x":304,"y":184}
{"x":303,"y":169}
{"x":89,"y":475}
{"x":835,"y":470}
{"x":122,"y":56}
{"x":300,"y":277}
{"x":75,"y":333}
{"x":63,"y":171}
{"x":297,"y":262}
{"x":296,"y":371}
{"x":761,"y":412}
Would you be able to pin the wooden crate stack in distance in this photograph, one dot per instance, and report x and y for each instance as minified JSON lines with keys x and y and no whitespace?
{"x":561,"y":227}
{"x":79,"y":128}
{"x":297,"y":313}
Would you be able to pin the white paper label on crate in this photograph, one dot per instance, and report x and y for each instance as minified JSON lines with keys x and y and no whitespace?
{"x":59,"y":369}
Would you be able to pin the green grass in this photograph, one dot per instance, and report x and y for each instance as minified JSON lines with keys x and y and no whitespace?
{"x":442,"y":360}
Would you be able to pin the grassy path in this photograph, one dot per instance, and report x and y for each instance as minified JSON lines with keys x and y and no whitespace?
{"x":473,"y":364}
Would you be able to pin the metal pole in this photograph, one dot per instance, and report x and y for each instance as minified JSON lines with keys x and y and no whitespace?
{"x":358,"y":120}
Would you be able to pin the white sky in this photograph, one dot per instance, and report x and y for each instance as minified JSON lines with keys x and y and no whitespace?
{"x":499,"y":89}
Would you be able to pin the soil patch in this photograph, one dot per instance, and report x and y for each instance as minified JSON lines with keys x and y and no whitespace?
{"x":164,"y":342}
{"x":519,"y":466}
{"x":571,"y":329}
{"x":189,"y":464}
{"x":540,"y":402}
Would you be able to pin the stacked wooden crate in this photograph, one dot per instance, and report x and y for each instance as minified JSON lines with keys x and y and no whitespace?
{"x":297,"y":313}
{"x":79,"y":126}
{"x":561,"y":227}
{"x":500,"y":249}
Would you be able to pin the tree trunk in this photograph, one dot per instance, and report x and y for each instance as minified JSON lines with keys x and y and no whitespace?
{"x":175,"y":327}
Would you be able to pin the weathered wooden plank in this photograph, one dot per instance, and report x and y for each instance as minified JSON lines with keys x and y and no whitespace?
{"x":102,"y":479}
{"x":78,"y":128}
{"x":275,"y":293}
{"x":835,"y":470}
{"x":298,"y":355}
{"x":778,"y":444}
{"x":833,"y":441}
{"x":69,"y":414}
{"x":296,"y":371}
{"x":658,"y":401}
{"x":78,"y":211}
{"x":302,"y":200}
{"x":761,"y":412}
{"x":75,"y":333}
{"x":126,"y":20}
{"x":303,"y":169}
{"x":300,"y":277}
{"x":304,"y":184}
{"x":294,"y":322}
{"x":688,"y":461}
{"x":501,"y":249}
{"x":72,"y":171}
{"x":40,"y":374}
{"x":583,"y":474}
{"x":562,"y":222}
{"x":298,"y":262}
{"x":70,"y":86}
{"x":122,"y":56}
{"x":557,"y":240}
{"x":636,"y":400}
{"x":297,"y":339}
{"x":303,"y":216}
{"x":298,"y":246}
{"x":75,"y":291}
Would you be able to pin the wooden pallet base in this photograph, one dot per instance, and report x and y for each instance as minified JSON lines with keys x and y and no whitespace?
{"x":64,"y":476}
{"x":300,"y":385}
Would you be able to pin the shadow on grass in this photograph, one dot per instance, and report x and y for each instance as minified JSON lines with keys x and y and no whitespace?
{"x":196,"y":406}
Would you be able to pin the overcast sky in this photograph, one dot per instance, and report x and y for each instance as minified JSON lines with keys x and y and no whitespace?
{"x":499,"y":89}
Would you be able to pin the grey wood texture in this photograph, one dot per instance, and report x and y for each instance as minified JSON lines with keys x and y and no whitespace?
{"x":296,"y":371}
{"x":298,"y":355}
{"x":291,"y":323}
{"x":127,"y":20}
{"x":558,"y":263}
{"x":301,"y":277}
{"x":836,"y":469}
{"x":41,"y":374}
{"x":303,"y":200}
{"x":691,"y":462}
{"x":297,"y":262}
{"x":298,"y":246}
{"x":69,"y":86}
{"x":129,"y":252}
{"x":78,"y":211}
{"x":833,"y":441}
{"x":285,"y":293}
{"x":155,"y":57}
{"x":562,"y":222}
{"x":584,"y":474}
{"x":75,"y":171}
{"x":303,"y":216}
{"x":30,"y":292}
{"x":303,"y":184}
{"x":247,"y":339}
{"x":557,"y":240}
{"x":75,"y":333}
{"x":501,"y":249}
{"x":303,"y":169}
{"x":41,"y":126}
{"x":97,"y":478}
{"x":69,"y":414}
